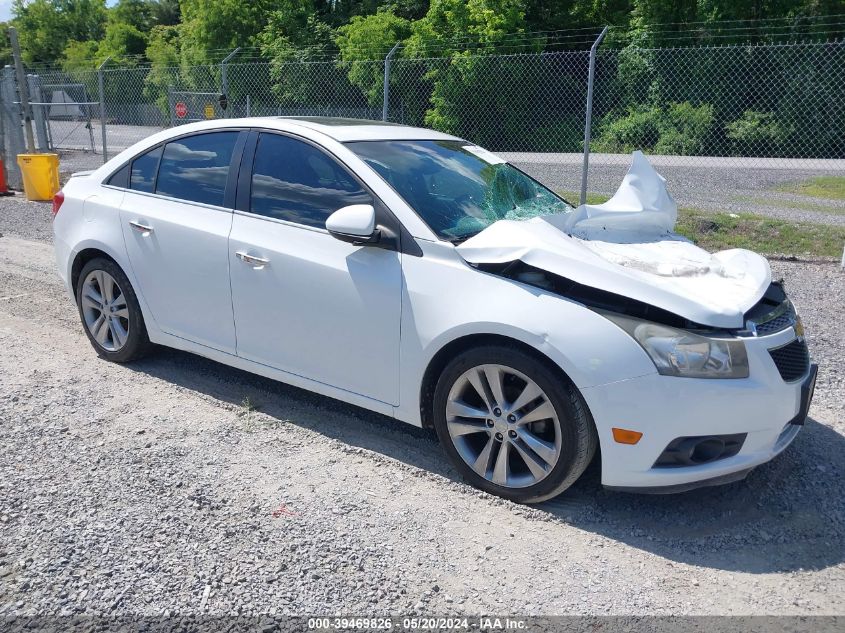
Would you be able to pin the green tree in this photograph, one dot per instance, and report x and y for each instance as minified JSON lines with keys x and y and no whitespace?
{"x":5,"y":48}
{"x":165,"y":12}
{"x":211,"y":27}
{"x":46,"y":26}
{"x":450,"y":25}
{"x":366,"y":39}
{"x":137,"y":13}
{"x":120,"y":41}
{"x":163,"y":53}
{"x":295,"y":34}
{"x":472,"y":94}
{"x":79,"y":55}
{"x":163,"y":46}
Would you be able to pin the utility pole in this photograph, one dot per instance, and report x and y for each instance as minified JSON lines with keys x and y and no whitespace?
{"x":23,"y":89}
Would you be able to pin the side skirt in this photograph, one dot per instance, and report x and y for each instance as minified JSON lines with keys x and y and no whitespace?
{"x":168,"y":340}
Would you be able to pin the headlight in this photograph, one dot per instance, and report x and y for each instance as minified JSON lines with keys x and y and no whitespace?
{"x":681,"y":353}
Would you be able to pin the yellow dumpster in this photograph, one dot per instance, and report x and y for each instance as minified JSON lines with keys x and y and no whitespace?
{"x":40,"y":175}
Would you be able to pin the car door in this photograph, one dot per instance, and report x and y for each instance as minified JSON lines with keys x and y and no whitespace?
{"x":176,"y":217}
{"x":305,"y":302}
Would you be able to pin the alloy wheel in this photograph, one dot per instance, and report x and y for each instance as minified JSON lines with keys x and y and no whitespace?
{"x":503,"y":426}
{"x":105,"y":311}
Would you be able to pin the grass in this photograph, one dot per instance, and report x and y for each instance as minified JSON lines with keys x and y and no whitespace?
{"x":246,"y":412}
{"x":252,"y":422}
{"x":828,"y":187}
{"x":572,"y":197}
{"x":765,"y":235}
{"x":769,"y":236}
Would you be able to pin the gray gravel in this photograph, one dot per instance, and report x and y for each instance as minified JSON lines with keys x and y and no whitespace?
{"x":29,"y":220}
{"x":153,"y":489}
{"x":818,"y":291}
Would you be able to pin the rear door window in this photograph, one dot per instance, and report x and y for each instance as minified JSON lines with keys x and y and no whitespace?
{"x":143,"y":174}
{"x":196,"y":168}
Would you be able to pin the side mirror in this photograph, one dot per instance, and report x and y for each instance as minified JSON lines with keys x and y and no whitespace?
{"x":355,"y":224}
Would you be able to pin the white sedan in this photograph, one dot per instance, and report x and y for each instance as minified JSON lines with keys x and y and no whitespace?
{"x":412,"y":273}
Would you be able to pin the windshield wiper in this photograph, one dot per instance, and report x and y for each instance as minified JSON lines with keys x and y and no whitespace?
{"x":463,"y":238}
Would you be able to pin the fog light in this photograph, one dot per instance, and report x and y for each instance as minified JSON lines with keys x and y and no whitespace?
{"x":625,"y":436}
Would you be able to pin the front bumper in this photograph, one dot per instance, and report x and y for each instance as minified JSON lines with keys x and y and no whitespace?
{"x":763,"y":406}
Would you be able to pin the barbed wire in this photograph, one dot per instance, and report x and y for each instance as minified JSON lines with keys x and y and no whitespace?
{"x":768,"y":30}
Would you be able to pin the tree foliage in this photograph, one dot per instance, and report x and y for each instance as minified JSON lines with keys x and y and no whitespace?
{"x":450,"y":71}
{"x":46,"y":26}
{"x":369,"y":38}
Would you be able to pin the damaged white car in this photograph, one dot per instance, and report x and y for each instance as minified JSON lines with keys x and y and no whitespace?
{"x":415,"y":274}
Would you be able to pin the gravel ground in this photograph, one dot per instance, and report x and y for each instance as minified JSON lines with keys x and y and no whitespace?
{"x":25,"y":219}
{"x":152,"y":489}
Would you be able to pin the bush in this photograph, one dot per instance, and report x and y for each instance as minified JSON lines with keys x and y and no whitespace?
{"x":637,"y":129}
{"x":757,"y":133}
{"x":682,"y":128}
{"x":564,"y":135}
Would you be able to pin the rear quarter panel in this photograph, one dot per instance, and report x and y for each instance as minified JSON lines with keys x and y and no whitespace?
{"x":90,"y":218}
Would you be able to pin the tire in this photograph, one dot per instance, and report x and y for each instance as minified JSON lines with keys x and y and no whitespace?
{"x":122,"y":337}
{"x":556,"y":410}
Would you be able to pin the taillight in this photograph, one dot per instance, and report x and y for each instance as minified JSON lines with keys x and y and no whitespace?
{"x":58,"y":199}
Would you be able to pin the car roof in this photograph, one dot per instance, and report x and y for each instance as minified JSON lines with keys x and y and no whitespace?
{"x":339,"y":129}
{"x":343,"y":129}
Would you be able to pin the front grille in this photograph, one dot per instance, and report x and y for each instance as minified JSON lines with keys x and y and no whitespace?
{"x":780,"y":322}
{"x":768,"y":317}
{"x":792,"y":360}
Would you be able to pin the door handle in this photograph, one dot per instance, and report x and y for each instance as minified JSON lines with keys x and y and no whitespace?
{"x":251,"y":259}
{"x":143,"y":228}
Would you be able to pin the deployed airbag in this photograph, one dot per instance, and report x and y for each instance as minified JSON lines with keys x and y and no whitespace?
{"x":627,"y":246}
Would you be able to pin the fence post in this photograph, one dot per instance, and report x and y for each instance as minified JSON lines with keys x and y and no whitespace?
{"x":589,"y":117}
{"x":386,"y":101}
{"x":36,"y":102}
{"x":3,"y":140}
{"x":12,"y":128}
{"x":23,"y":89}
{"x":224,"y":77}
{"x":103,"y":107}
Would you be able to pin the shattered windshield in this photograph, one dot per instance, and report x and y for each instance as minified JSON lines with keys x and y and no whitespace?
{"x":457,"y":188}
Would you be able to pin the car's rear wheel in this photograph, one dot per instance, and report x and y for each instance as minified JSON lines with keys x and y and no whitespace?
{"x":110,"y":312}
{"x":512,"y":425}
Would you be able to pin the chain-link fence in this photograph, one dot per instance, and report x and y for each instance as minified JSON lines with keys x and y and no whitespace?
{"x":757,"y":107}
{"x":775,"y":101}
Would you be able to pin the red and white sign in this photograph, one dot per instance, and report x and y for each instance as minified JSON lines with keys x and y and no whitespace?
{"x":181,"y":109}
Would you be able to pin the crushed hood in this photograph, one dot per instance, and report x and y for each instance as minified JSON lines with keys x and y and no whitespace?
{"x":627,"y":246}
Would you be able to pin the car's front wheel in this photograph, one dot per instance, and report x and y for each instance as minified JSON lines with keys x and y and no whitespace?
{"x":110,"y":312}
{"x":511,"y":425}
